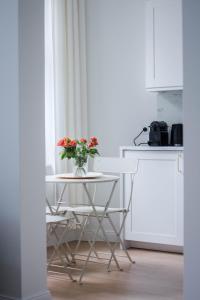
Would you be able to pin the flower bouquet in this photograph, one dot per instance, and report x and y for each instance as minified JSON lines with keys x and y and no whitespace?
{"x":79,"y":151}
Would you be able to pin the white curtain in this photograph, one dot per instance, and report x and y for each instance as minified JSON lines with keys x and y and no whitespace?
{"x":65,"y":72}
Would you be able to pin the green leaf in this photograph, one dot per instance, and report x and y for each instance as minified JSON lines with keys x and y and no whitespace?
{"x":63,"y":155}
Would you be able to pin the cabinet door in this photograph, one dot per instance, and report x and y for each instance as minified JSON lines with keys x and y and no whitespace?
{"x":164,"y":45}
{"x":156,"y":214}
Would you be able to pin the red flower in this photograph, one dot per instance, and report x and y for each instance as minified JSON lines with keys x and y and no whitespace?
{"x":94,"y":141}
{"x":91,"y":145}
{"x":62,"y":142}
{"x":82,"y":140}
{"x":73,"y":143}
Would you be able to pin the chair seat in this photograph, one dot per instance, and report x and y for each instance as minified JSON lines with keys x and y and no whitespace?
{"x":55,"y":219}
{"x":61,"y":210}
{"x":87,"y":209}
{"x":99,"y":209}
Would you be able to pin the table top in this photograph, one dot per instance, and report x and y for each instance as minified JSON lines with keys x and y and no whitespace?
{"x":103,"y":178}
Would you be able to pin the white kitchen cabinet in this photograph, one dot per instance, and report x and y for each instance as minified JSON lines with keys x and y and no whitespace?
{"x":164,"y":58}
{"x":156,"y":214}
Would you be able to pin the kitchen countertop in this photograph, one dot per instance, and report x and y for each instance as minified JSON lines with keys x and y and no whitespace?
{"x":151,"y":148}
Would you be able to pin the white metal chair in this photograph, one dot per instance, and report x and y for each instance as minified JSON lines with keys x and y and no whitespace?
{"x":121,"y":166}
{"x":67,"y":212}
{"x":55,"y":223}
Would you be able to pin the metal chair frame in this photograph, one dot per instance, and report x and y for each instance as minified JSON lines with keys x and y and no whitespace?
{"x":118,"y":232}
{"x":53,"y":224}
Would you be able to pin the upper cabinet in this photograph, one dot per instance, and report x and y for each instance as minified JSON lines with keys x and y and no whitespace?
{"x":164,"y":50}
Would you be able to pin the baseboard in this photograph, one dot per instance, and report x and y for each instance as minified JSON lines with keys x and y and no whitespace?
{"x":89,"y":234}
{"x":44,"y":295}
{"x":153,"y":246}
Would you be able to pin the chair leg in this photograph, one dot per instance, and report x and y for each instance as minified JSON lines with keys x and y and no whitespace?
{"x":110,"y":247}
{"x":64,"y":263}
{"x":88,"y":256}
{"x":81,"y":237}
{"x":58,"y":240}
{"x":58,"y":249}
{"x":100,"y":219}
{"x":83,"y":225}
{"x":92,"y":245}
{"x":68,"y":249}
{"x":118,"y":235}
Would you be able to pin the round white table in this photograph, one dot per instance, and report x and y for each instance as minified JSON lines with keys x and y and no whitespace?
{"x":67,"y":178}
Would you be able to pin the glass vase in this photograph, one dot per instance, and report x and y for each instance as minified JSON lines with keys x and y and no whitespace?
{"x":80,"y":167}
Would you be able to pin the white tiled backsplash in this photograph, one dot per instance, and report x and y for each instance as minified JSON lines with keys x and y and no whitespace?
{"x":170,"y":107}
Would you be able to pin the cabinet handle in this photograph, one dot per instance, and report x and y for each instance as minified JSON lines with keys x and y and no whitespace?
{"x":180,"y":170}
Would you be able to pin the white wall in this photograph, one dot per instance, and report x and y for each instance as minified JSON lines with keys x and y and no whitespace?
{"x":22,"y":188}
{"x":119,"y":106}
{"x":191,"y":46}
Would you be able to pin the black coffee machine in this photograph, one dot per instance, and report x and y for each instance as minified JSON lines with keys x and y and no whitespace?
{"x":158,"y":134}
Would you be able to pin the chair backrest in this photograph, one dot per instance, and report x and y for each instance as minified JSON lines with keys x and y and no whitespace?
{"x":115,"y":165}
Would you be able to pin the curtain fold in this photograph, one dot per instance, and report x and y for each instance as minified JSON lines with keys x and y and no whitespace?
{"x":65,"y":77}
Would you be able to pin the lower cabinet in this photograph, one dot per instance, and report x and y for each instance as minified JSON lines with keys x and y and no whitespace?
{"x":156,"y":214}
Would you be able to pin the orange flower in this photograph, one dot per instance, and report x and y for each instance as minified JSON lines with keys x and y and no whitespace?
{"x":65,"y":142}
{"x":68,"y":140}
{"x":82,"y":140}
{"x":62,"y":142}
{"x":94,"y":141}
